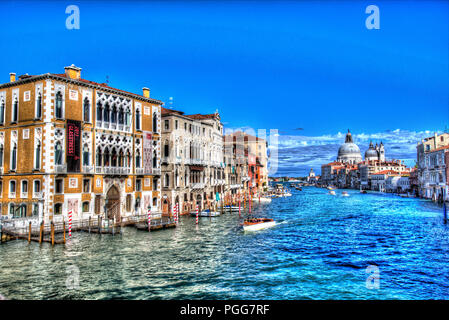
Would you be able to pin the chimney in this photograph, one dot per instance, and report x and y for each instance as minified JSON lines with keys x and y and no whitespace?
{"x":146,"y":92}
{"x":73,"y":72}
{"x":12,"y":77}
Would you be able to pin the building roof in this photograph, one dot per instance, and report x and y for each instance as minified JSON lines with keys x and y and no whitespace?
{"x":63,"y":77}
{"x":438,"y":149}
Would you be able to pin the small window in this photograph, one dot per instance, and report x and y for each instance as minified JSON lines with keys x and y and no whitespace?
{"x":24,"y":186}
{"x":176,"y":124}
{"x":166,"y":125}
{"x":58,"y":208}
{"x":86,"y":185}
{"x":12,"y":186}
{"x":59,"y":185}
{"x":37,"y":186}
{"x":138,"y":185}
{"x":86,"y":206}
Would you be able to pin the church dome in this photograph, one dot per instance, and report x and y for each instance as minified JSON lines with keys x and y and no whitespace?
{"x":371,"y":153}
{"x":349,"y":151}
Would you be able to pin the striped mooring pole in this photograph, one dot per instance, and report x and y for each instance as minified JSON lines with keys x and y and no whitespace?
{"x":149,"y":220}
{"x":197,"y":213}
{"x":70,"y":224}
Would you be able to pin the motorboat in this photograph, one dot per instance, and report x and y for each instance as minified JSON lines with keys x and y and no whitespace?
{"x":332,"y":193}
{"x":255,"y":224}
{"x":344,"y":194}
{"x":205,"y":213}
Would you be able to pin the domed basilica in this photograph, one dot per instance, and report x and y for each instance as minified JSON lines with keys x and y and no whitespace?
{"x":349,"y":152}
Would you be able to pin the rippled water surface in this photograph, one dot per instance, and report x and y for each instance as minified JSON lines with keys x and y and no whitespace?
{"x":320,"y":250}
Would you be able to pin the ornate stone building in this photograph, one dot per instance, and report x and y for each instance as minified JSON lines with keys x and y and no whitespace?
{"x":192,"y":160}
{"x":349,"y":152}
{"x":67,"y":143}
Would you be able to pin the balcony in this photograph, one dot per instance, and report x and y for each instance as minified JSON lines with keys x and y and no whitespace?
{"x":157,"y":171}
{"x":165,"y":160}
{"x":38,"y":195}
{"x":23,"y":195}
{"x":12,"y":195}
{"x":139,"y":171}
{"x":88,"y":169}
{"x":198,"y":185}
{"x":61,"y":168}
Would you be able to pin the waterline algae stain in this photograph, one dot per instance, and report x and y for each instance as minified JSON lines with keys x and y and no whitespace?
{"x":365,"y":246}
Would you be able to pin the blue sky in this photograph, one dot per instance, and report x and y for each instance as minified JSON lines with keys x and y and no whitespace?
{"x":274,"y":65}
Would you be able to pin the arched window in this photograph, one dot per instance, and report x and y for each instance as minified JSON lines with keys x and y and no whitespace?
{"x":107,"y":109}
{"x":128,"y":117}
{"x":15,"y":110}
{"x":138,"y":159}
{"x":57,"y":209}
{"x":14,"y":157}
{"x":86,"y":110}
{"x":37,"y":155}
{"x":106,"y":157}
{"x":137,"y":119}
{"x":12,"y":209}
{"x":39,"y":106}
{"x":167,"y":180}
{"x":99,"y":155}
{"x":86,"y":206}
{"x":2,"y":111}
{"x":121,"y":159}
{"x":99,"y":111}
{"x":58,"y":153}
{"x":114,"y":114}
{"x":154,"y":202}
{"x":86,"y":157}
{"x":128,"y":159}
{"x":58,"y":112}
{"x":114,"y":158}
{"x":155,"y":122}
{"x":121,"y":116}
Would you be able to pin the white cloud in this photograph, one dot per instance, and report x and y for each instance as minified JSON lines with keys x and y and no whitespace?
{"x":298,"y":154}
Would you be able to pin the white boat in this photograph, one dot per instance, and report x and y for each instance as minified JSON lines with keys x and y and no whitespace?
{"x":332,"y":192}
{"x":256,"y":224}
{"x":233,"y":208}
{"x":287,"y":194}
{"x":205,"y":213}
{"x":262,"y":200}
{"x":344,"y":194}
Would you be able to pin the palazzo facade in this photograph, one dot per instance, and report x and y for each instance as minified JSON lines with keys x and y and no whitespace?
{"x":67,"y":143}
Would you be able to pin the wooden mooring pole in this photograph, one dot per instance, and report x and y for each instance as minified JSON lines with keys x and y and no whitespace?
{"x":29,"y":232}
{"x":89,"y":224}
{"x":41,"y":231}
{"x":52,"y":233}
{"x":63,"y":227}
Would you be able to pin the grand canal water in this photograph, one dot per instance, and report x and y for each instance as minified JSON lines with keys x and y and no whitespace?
{"x":320,"y":250}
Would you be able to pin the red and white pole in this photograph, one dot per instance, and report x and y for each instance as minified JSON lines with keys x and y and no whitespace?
{"x":175,"y":215}
{"x":70,"y":223}
{"x":149,"y":220}
{"x":197,"y":213}
{"x":177,"y":212}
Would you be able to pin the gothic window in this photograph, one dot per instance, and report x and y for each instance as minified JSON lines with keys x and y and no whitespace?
{"x":106,"y":158}
{"x":121,"y":116}
{"x":39,"y":106}
{"x":154,"y":160}
{"x":58,"y":153}
{"x":114,"y":158}
{"x":137,"y":119}
{"x":14,"y":157}
{"x":58,"y":111}
{"x":128,"y":117}
{"x":121,"y":159}
{"x":166,"y":180}
{"x":15,"y":110}
{"x":99,"y":155}
{"x":138,"y":159}
{"x":114,"y":114}
{"x":2,"y":111}
{"x":128,"y":159}
{"x":86,"y":109}
{"x":86,"y":155}
{"x":99,"y":111}
{"x":107,"y":109}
